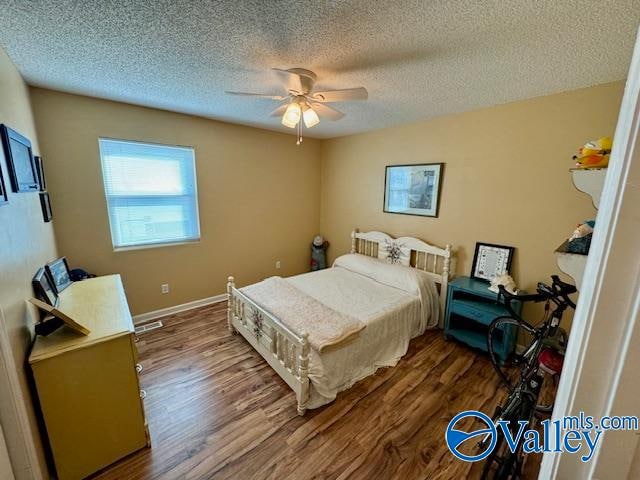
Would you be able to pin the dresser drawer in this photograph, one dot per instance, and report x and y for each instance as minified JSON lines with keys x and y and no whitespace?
{"x":482,"y":312}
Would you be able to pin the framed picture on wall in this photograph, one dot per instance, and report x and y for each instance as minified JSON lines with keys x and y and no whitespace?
{"x":491,"y":260}
{"x":4,"y":198}
{"x":42,"y":182}
{"x":413,"y":189}
{"x":20,"y":161}
{"x":45,"y":204}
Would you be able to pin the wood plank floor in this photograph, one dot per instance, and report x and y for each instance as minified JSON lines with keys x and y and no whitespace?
{"x":217,"y":410}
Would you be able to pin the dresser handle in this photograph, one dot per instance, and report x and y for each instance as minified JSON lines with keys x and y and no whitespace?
{"x":139,"y":367}
{"x":143,"y":394}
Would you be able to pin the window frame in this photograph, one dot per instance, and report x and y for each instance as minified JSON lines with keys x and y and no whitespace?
{"x":163,"y":243}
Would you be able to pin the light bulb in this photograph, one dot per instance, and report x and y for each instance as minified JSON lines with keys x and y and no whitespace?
{"x":310,"y":117}
{"x":291,"y":115}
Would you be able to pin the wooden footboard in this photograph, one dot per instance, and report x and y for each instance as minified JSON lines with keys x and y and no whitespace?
{"x":286,"y":351}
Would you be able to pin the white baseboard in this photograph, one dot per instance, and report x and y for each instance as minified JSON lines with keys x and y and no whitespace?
{"x":163,"y":312}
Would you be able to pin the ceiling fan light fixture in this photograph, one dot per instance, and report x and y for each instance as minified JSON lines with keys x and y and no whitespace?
{"x":292,"y":114}
{"x":310,"y":117}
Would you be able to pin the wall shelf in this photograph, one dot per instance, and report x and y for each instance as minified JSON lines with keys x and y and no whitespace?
{"x":572,"y":264}
{"x":590,"y":181}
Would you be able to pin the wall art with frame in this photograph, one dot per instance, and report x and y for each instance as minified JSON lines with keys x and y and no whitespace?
{"x":4,"y":197}
{"x":20,"y":161}
{"x":413,"y":189}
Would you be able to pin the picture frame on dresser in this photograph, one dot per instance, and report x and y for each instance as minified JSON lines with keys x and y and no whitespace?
{"x":20,"y":161}
{"x":491,"y":260}
{"x":59,"y":273}
{"x":43,"y":287}
{"x":413,"y":189}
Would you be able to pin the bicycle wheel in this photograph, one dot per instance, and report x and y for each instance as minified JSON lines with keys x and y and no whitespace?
{"x":503,"y":464}
{"x":495,"y":335}
{"x":510,"y":373}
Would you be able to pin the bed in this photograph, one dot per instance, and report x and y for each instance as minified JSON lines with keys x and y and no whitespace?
{"x":324,"y":331}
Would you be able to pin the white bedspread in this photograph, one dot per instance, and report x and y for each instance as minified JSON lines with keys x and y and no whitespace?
{"x":303,"y":313}
{"x":392,"y":316}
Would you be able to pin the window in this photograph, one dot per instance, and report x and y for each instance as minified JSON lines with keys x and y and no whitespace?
{"x":151,"y":193}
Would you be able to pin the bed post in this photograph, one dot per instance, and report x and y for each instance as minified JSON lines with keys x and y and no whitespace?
{"x":445,"y":282}
{"x":303,"y":373}
{"x":354,"y":240}
{"x":230,"y":304}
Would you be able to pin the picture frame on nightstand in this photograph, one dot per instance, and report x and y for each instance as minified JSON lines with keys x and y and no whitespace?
{"x":491,"y":260}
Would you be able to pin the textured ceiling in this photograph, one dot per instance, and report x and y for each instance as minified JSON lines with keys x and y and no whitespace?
{"x":419,"y":59}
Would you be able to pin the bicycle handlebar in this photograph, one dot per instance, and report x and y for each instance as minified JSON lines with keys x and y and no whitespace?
{"x":534,"y":297}
{"x":558,"y":289}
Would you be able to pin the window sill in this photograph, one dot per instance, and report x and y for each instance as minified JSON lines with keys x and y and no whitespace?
{"x":154,"y":245}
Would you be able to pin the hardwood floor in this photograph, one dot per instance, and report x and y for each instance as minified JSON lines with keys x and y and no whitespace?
{"x":217,"y":410}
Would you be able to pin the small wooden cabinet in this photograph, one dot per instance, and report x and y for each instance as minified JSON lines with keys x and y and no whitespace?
{"x":88,"y":386}
{"x":471,"y":307}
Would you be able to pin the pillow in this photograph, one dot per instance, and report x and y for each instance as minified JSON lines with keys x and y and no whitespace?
{"x":398,"y":276}
{"x":394,"y":252}
{"x":408,"y":279}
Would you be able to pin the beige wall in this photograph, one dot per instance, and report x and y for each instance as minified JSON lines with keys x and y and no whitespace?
{"x":258,"y":195}
{"x":505,"y":181}
{"x":26,"y":243}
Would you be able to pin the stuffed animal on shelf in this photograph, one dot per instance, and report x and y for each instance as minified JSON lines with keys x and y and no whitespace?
{"x":583,"y":230}
{"x":580,"y":239}
{"x":319,"y":253}
{"x":594,"y":154}
{"x":506,"y":280}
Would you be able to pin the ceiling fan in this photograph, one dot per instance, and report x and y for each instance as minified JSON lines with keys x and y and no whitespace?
{"x":302,"y":104}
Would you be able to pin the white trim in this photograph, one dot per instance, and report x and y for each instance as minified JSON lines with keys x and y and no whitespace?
{"x":30,"y":469}
{"x":163,"y":312}
{"x":603,"y":321}
{"x":146,"y":246}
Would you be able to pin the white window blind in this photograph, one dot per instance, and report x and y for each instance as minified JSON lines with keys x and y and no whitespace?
{"x":151,"y":193}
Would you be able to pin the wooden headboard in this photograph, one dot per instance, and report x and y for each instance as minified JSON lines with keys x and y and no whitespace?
{"x":438,"y":262}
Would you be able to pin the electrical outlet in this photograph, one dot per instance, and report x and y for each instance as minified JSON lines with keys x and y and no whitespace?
{"x":164,"y":288}
{"x":278,"y":264}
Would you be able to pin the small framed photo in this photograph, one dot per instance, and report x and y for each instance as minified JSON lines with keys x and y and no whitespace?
{"x":491,"y":260}
{"x":413,"y":189}
{"x":43,"y":287}
{"x":58,"y":270}
{"x":42,"y":182}
{"x":20,"y":161}
{"x":4,"y":198}
{"x":45,"y":203}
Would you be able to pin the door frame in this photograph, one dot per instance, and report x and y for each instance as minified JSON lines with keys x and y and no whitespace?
{"x":18,"y":434}
{"x":604,"y":334}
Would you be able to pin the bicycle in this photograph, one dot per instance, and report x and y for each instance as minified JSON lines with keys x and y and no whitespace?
{"x":540,"y":359}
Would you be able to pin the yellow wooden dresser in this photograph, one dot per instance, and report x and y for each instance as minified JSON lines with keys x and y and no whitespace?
{"x":88,"y":385}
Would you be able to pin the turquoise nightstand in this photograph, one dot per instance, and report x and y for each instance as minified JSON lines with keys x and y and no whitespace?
{"x":471,"y":307}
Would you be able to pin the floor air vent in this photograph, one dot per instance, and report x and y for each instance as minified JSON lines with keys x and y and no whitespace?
{"x":147,"y":327}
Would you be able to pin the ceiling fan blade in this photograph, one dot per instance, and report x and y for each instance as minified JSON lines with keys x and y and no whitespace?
{"x":278,"y":112}
{"x":293,"y":81}
{"x":341,"y":95}
{"x":259,"y":95}
{"x":327,"y":111}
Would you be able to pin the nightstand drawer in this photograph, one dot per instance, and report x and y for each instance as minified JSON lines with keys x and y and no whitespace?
{"x":483,"y":312}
